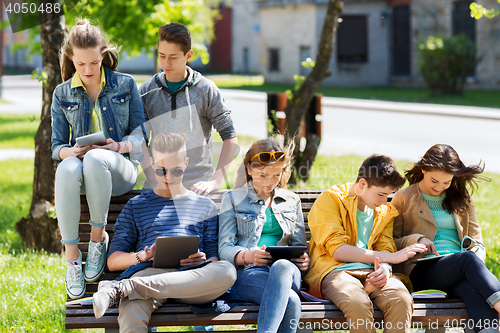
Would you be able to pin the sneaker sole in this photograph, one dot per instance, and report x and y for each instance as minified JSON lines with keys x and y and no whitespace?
{"x":73,"y":296}
{"x":96,"y":311}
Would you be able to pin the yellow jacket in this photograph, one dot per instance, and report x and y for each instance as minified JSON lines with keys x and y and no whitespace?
{"x":332,"y":221}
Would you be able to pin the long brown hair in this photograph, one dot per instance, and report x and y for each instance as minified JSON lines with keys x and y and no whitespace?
{"x":265,"y":145}
{"x":444,"y":158}
{"x":84,"y":35}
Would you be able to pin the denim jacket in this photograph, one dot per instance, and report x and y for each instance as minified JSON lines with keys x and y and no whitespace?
{"x":242,"y":216}
{"x":121,"y":109}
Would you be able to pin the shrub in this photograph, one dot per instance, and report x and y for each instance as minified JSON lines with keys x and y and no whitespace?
{"x":445,"y":62}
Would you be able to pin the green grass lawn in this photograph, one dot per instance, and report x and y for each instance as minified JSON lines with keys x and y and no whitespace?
{"x":18,"y":130}
{"x":32,"y":283}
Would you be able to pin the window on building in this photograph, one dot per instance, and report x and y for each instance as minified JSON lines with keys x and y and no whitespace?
{"x":352,"y":39}
{"x":246,"y":61}
{"x":462,"y":22}
{"x":400,"y":30}
{"x":274,"y":60}
{"x":305,"y":52}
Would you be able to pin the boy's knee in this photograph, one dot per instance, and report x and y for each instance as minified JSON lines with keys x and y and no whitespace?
{"x":395,"y":297}
{"x":403,"y":300}
{"x":225,"y":272}
{"x":133,"y":316}
{"x":355,"y":304}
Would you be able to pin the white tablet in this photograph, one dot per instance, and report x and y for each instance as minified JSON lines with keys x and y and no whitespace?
{"x":97,"y":138}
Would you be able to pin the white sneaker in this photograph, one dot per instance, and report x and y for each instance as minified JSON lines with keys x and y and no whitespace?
{"x":74,"y":281}
{"x":96,"y":259}
{"x":109,"y":294}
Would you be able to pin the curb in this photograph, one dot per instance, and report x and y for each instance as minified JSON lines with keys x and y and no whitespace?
{"x":383,"y":106}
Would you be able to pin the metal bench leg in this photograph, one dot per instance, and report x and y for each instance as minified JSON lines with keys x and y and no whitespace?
{"x":111,"y":330}
{"x":304,"y":330}
{"x":440,"y":329}
{"x":468,"y":330}
{"x":117,"y":330}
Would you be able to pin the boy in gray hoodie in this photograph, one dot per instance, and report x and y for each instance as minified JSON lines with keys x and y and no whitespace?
{"x":181,"y":100}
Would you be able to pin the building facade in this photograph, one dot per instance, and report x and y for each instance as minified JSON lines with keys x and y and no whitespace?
{"x":376,"y":43}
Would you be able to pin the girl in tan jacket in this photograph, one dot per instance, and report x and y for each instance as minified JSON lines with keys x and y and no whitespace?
{"x":436,"y":210}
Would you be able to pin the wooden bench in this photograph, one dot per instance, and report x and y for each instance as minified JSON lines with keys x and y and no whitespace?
{"x":320,"y":316}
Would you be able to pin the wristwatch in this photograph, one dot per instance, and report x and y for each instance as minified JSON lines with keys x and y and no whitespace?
{"x":138,"y":259}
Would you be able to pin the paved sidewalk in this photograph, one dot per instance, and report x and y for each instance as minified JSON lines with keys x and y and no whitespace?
{"x":350,"y":126}
{"x":385,"y":106}
{"x":6,"y":154}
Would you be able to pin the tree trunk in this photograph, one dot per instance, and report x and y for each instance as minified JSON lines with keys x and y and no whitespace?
{"x":297,"y":107}
{"x":38,"y":230}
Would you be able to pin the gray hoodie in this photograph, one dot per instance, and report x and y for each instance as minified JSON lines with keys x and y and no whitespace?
{"x":193,"y":109}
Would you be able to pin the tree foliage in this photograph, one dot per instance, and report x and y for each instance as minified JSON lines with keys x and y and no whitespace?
{"x":477,"y":11}
{"x":132,"y":24}
{"x":445,"y":62}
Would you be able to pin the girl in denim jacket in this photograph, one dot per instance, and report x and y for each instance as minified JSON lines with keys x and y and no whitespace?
{"x":263,"y":213}
{"x":93,"y":98}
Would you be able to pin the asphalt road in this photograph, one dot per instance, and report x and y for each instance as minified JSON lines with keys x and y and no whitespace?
{"x":400,"y":130}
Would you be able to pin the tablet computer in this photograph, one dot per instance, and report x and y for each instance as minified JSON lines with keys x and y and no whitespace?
{"x":97,"y":138}
{"x":286,"y":252}
{"x":429,"y":258}
{"x":171,"y":250}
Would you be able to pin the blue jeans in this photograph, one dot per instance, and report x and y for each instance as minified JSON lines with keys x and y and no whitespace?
{"x":465,"y":276}
{"x":101,"y":174}
{"x":276,"y":288}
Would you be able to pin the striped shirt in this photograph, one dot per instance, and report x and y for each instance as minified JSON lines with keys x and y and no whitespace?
{"x":148,"y":216}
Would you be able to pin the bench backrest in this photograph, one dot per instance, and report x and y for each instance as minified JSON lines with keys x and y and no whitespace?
{"x":307,"y":198}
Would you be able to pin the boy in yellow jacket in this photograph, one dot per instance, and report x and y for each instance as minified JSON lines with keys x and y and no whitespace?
{"x":352,"y":249}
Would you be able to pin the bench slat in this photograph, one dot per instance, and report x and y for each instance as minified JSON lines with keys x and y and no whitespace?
{"x":426,"y":311}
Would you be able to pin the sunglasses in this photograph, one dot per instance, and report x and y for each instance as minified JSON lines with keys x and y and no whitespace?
{"x":162,"y":172}
{"x":468,"y":242}
{"x":266,"y":157}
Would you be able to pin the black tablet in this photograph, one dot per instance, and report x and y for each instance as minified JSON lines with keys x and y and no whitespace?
{"x":429,"y":258}
{"x":286,"y":252}
{"x":171,"y":250}
{"x":97,"y":138}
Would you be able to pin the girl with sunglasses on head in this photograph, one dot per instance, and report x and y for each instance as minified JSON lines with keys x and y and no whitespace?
{"x":437,"y":210}
{"x":264,"y":213}
{"x":92,"y":99}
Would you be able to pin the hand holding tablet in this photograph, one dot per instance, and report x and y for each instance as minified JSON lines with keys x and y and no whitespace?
{"x":97,"y":138}
{"x":286,"y":252}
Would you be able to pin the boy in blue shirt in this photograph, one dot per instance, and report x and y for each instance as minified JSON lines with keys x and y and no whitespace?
{"x":168,"y":210}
